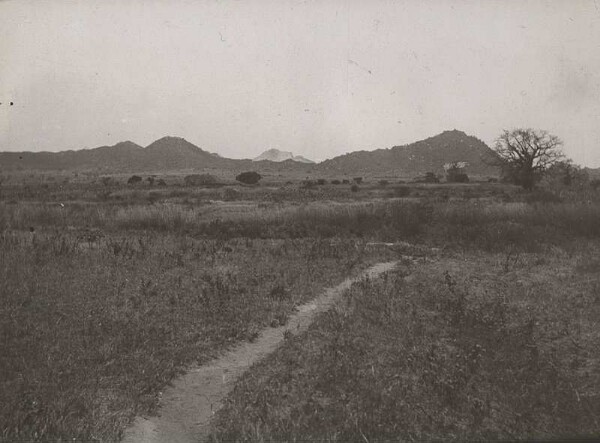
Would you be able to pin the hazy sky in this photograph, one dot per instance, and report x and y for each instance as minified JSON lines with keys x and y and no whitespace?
{"x":318,"y":78}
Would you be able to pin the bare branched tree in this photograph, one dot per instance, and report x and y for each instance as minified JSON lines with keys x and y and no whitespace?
{"x":525,"y":154}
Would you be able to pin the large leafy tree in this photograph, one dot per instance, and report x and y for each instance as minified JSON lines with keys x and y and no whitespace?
{"x":526,"y":154}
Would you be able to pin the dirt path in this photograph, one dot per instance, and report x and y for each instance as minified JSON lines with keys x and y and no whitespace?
{"x":187,"y":406}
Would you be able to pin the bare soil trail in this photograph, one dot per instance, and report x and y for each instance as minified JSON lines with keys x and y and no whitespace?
{"x":187,"y":406}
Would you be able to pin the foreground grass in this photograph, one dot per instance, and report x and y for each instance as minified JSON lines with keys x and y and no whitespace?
{"x":105,"y":302}
{"x":91,"y":332}
{"x":462,"y":348}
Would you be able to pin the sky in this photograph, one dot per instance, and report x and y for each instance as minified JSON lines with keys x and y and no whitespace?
{"x":318,"y":78}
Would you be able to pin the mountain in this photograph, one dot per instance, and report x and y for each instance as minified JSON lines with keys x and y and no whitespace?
{"x":175,"y":153}
{"x":275,"y":155}
{"x":417,"y":158}
{"x":165,"y":154}
{"x":108,"y":157}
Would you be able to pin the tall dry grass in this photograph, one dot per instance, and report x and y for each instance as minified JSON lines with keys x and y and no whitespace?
{"x":453,"y":350}
{"x":93,"y":328}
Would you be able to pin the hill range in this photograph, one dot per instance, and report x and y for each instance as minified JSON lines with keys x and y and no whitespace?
{"x":174,"y":153}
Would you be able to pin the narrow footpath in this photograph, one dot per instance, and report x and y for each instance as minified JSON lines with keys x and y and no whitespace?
{"x":189,"y":403}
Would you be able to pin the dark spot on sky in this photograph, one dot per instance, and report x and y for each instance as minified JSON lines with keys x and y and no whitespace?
{"x":11,"y":103}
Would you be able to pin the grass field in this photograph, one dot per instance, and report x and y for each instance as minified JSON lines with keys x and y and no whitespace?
{"x":108,"y":292}
{"x":457,"y":347}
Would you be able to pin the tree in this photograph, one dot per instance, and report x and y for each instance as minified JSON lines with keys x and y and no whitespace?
{"x":455,"y":172}
{"x":565,"y":173}
{"x":249,"y":178}
{"x":526,"y":154}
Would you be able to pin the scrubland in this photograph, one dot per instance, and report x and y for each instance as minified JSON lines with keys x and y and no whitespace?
{"x":108,"y":292}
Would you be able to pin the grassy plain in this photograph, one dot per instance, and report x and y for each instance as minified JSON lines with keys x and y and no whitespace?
{"x":456,"y":347}
{"x":109,"y":291}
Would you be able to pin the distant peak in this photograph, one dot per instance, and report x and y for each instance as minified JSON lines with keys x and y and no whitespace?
{"x":171,"y":141}
{"x":169,"y":138}
{"x":275,"y":155}
{"x":128,"y":143}
{"x":455,"y":132}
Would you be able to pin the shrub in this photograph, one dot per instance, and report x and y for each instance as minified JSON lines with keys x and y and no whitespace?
{"x":358,"y":180}
{"x":346,"y":181}
{"x":321,"y":181}
{"x":455,"y":172}
{"x":161,"y":182}
{"x":200,"y":180}
{"x":457,"y":177}
{"x":401,"y":191}
{"x":335,"y":182}
{"x":134,"y":180}
{"x":153,"y":197}
{"x":150,"y":180}
{"x":308,"y":183}
{"x":429,"y":177}
{"x":354,"y":188}
{"x":249,"y":177}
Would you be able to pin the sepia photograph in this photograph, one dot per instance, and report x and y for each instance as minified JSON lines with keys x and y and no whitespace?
{"x":299,"y":221}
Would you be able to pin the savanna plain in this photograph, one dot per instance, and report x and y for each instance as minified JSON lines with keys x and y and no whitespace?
{"x":489,"y":331}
